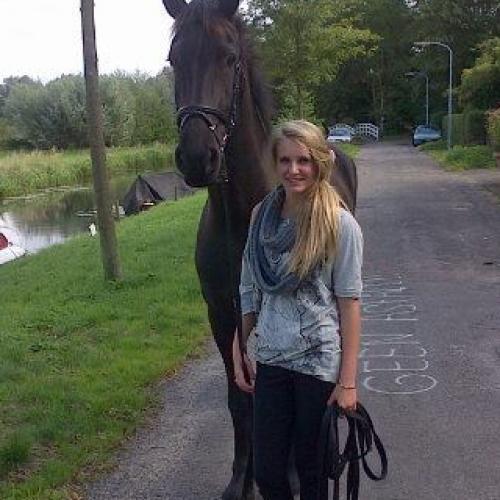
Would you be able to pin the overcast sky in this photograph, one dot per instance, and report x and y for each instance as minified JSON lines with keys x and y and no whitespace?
{"x":42,"y":38}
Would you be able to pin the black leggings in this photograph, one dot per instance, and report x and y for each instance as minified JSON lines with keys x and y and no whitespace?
{"x":288,"y":410}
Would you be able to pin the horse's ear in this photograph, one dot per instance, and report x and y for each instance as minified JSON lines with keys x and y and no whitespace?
{"x":228,"y":7}
{"x":174,"y":7}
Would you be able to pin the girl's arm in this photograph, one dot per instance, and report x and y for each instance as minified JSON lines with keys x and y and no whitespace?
{"x":345,"y":392}
{"x":248,"y":319}
{"x":248,"y":323}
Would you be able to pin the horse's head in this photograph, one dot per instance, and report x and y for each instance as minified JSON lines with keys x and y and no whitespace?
{"x":206,"y":56}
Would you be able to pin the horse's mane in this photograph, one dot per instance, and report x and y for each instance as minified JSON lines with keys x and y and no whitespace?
{"x":203,"y":14}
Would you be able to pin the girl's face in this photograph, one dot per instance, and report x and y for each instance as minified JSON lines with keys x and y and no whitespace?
{"x":295,"y":167}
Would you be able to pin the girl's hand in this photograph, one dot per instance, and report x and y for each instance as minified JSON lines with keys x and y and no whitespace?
{"x":345,"y":398}
{"x":239,"y":374}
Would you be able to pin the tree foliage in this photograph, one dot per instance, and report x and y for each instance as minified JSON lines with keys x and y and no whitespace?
{"x":462,"y":24}
{"x":327,"y":61}
{"x":374,"y":88}
{"x":137,"y":110}
{"x":319,"y":70}
{"x":304,"y":44}
{"x":480,"y":87}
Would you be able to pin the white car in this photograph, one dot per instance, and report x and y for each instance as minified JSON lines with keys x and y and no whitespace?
{"x":339,"y":134}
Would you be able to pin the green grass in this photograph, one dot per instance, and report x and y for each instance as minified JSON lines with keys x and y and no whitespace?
{"x":350,"y":149}
{"x":24,"y":173}
{"x":460,"y":157}
{"x":79,"y":356}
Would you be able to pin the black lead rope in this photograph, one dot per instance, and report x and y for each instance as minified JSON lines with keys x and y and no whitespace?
{"x":360,"y":439}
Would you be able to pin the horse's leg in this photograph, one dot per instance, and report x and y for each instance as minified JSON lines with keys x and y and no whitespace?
{"x":223,"y":326}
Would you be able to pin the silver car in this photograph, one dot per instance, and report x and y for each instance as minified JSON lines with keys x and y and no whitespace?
{"x":339,"y":135}
{"x":425,"y":133}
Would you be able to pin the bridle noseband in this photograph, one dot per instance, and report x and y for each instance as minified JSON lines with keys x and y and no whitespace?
{"x":185,"y":113}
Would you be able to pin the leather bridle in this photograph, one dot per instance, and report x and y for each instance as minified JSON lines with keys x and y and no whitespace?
{"x":207,"y":113}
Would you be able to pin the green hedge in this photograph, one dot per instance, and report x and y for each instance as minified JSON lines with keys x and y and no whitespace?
{"x":457,"y":128}
{"x":468,"y":128}
{"x":436,"y":119}
{"x":494,"y":129}
{"x":475,"y":126}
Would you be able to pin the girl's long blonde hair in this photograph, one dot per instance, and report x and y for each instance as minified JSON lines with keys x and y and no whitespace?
{"x":317,"y":222}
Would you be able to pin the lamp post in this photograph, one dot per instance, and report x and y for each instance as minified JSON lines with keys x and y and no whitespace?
{"x":450,"y":90}
{"x":416,"y":74}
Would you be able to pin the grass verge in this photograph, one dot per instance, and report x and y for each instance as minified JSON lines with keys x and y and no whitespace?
{"x":460,"y":157}
{"x":24,"y":173}
{"x":79,"y":356}
{"x":350,"y":149}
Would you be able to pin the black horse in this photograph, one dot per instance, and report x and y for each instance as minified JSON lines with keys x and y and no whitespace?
{"x":224,"y":117}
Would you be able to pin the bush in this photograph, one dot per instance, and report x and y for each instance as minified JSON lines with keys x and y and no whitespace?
{"x":480,"y":85}
{"x":474,"y":126}
{"x":462,"y":157}
{"x":137,"y":110}
{"x":434,"y":145}
{"x":436,"y":119}
{"x":494,"y":129}
{"x":5,"y":134}
{"x":457,"y":128}
{"x":471,"y":157}
{"x":468,"y":128}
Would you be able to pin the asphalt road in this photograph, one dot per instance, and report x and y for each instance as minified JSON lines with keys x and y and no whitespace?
{"x":430,"y":362}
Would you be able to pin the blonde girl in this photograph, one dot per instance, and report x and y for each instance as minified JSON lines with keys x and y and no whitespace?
{"x":300,"y":289}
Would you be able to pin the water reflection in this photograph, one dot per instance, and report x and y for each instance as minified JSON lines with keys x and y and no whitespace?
{"x":48,"y":218}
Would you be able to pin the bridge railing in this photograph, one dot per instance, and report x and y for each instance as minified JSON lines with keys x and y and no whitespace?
{"x":360,"y":129}
{"x":332,"y":129}
{"x":367,"y":129}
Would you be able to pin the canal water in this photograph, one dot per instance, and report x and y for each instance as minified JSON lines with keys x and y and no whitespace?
{"x":49,"y":217}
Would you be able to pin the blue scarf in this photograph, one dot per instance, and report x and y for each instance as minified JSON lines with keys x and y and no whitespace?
{"x":264,"y":234}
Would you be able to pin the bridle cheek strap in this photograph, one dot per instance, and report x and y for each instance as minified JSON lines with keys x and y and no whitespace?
{"x":205,"y":113}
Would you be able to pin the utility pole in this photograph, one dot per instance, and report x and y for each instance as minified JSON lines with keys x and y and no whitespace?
{"x":450,"y":83}
{"x":105,"y":222}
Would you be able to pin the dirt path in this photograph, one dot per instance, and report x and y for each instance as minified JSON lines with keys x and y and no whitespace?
{"x":430,"y":364}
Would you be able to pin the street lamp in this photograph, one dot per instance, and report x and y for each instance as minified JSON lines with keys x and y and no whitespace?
{"x":450,"y":90}
{"x":416,"y":74}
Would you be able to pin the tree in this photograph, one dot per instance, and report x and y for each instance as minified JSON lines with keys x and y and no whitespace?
{"x":374,"y":88}
{"x":66,"y":104}
{"x":480,"y":87}
{"x":26,"y":110}
{"x":8,"y":84}
{"x":138,"y":109}
{"x":304,"y":44}
{"x":154,"y":111}
{"x":462,"y":24}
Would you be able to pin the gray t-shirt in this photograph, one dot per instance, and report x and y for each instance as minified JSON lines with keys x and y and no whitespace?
{"x":300,"y":330}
